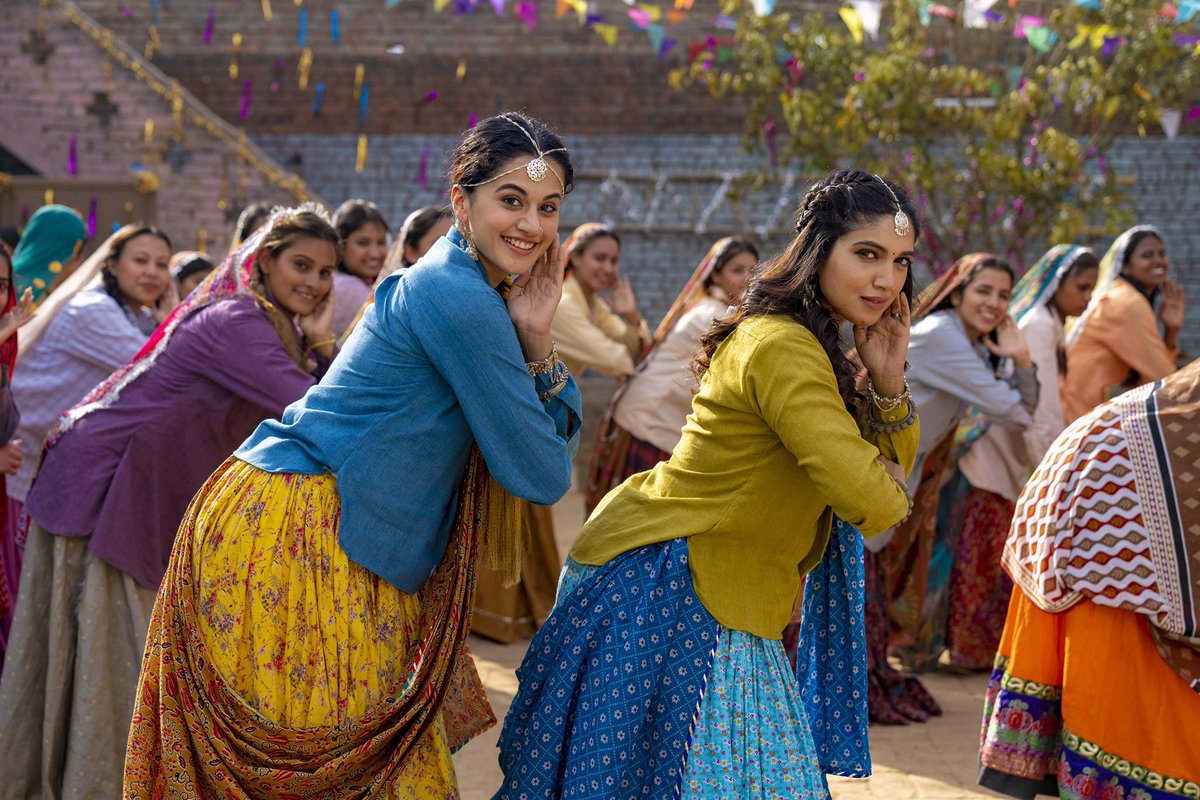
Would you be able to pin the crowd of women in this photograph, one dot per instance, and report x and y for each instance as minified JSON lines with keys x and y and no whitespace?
{"x":255,"y":506}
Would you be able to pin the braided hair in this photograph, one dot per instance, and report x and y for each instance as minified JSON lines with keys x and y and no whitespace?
{"x":789,"y":283}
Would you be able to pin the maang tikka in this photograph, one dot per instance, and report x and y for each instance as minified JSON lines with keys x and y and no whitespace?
{"x":901,"y":220}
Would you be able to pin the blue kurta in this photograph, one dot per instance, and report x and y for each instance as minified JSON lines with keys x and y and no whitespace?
{"x":433,"y":366}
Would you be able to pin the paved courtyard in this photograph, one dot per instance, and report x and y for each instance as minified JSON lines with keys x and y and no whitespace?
{"x":934,"y":761}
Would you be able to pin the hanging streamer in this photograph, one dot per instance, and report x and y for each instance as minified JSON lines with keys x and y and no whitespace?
{"x":528,"y":13}
{"x":656,"y":34}
{"x":498,"y":7}
{"x":853,"y":21}
{"x":302,"y":30}
{"x":318,"y":100}
{"x":154,"y":4}
{"x":209,"y":23}
{"x":359,"y":72}
{"x":335,"y":30}
{"x":233,"y":56}
{"x":202,"y":240}
{"x":606,"y":32}
{"x":665,"y":48}
{"x":72,"y":158}
{"x":472,"y":122}
{"x":423,"y":170}
{"x":277,"y":75}
{"x":148,"y":132}
{"x":360,"y":160}
{"x":305,"y":65}
{"x":266,"y":9}
{"x":362,"y":104}
{"x":91,"y":218}
{"x":247,"y":96}
{"x":48,"y":197}
{"x":461,"y":72}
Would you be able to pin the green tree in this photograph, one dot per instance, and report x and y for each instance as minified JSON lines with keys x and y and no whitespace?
{"x":1004,"y":138}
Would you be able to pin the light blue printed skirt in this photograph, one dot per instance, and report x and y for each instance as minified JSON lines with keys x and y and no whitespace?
{"x":632,"y":689}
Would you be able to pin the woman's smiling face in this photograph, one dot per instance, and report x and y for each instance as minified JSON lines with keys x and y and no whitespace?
{"x":513,"y":219}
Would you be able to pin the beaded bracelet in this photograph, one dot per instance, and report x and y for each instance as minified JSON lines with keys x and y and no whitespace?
{"x":544,"y":366}
{"x":893,"y":427}
{"x":887,"y":404}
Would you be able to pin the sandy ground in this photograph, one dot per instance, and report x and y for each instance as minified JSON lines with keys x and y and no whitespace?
{"x":937,"y":760}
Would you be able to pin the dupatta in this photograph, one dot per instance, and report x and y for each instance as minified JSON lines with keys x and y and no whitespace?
{"x":1110,"y":270}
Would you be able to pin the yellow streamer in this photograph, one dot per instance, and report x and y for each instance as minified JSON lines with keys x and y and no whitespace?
{"x":359,"y":72}
{"x":360,"y":161}
{"x":853,"y":22}
{"x":606,"y":32}
{"x":148,"y":132}
{"x":266,"y":7}
{"x":306,"y":60}
{"x":654,"y":12}
{"x":440,"y":5}
{"x":233,"y":57}
{"x":461,"y":72}
{"x":49,"y":197}
{"x":202,"y":240}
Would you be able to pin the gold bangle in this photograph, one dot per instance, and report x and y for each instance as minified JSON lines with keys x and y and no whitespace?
{"x":315,"y":345}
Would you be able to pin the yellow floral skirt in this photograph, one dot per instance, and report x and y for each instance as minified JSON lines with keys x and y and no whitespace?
{"x":308,"y":640}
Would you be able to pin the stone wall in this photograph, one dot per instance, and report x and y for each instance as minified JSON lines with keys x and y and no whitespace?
{"x":616,"y":178}
{"x":46,"y":107}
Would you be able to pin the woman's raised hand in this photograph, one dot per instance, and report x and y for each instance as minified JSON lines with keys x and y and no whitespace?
{"x":318,"y":326}
{"x":1010,"y":343}
{"x":883,"y":347}
{"x":21,"y":313}
{"x":533,"y":301}
{"x":624,"y":302}
{"x":166,"y":304}
{"x":1173,"y":305}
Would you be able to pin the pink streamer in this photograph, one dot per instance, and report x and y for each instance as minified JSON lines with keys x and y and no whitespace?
{"x":208,"y":25}
{"x":91,"y":219}
{"x":423,"y":170}
{"x":247,"y":96}
{"x":72,"y":158}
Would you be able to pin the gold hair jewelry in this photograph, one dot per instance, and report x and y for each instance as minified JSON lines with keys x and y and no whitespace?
{"x":901,"y":219}
{"x":536,"y":168}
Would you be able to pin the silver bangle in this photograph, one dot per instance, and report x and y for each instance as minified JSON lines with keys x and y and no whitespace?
{"x":888,"y":404}
{"x":544,"y":366}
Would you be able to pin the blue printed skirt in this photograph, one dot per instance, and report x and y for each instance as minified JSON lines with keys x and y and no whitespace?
{"x":632,"y":689}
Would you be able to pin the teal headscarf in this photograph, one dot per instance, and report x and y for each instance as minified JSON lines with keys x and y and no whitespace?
{"x":48,"y":242}
{"x":1039,"y":284}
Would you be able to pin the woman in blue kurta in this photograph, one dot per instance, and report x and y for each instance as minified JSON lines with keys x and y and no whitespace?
{"x":309,"y":639}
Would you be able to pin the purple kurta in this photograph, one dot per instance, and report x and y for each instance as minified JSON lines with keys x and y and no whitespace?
{"x":125,"y":474}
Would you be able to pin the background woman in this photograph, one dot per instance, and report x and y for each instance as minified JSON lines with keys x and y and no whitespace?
{"x":962,"y":328}
{"x":1093,"y":694}
{"x":654,"y":595}
{"x":980,"y":496}
{"x":592,"y":333}
{"x":645,"y":417}
{"x":189,"y":269}
{"x":50,"y":249}
{"x":325,"y":571}
{"x":364,"y":234}
{"x":1116,"y":344}
{"x":116,"y":479}
{"x":14,"y":314}
{"x":95,"y":322}
{"x":420,"y":230}
{"x":253,"y":217}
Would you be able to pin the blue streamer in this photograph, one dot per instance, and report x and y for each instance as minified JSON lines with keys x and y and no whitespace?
{"x":335,"y":32}
{"x":362,"y":106}
{"x":318,"y":100}
{"x":154,"y":4}
{"x":302,"y":34}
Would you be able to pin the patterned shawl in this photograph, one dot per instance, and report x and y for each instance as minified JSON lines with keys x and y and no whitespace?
{"x":940,"y":290}
{"x":233,"y":277}
{"x":1112,"y":515}
{"x":1039,"y":284}
{"x":1110,"y":270}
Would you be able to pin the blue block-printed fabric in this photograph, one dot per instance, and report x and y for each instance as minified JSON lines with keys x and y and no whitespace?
{"x":831,"y":661}
{"x":612,"y":683}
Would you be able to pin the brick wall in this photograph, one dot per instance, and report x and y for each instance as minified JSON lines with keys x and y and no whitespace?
{"x":658,"y":259}
{"x":43,"y":107}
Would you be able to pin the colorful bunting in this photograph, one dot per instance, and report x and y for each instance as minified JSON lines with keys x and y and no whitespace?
{"x":1171,"y":117}
{"x":498,"y":7}
{"x":606,"y":32}
{"x":868,"y":12}
{"x":975,"y":13}
{"x":853,"y":22}
{"x":654,"y":12}
{"x":639,"y":18}
{"x":656,"y":33}
{"x":1041,"y":38}
{"x":665,"y":47}
{"x":527,"y":11}
{"x":1187,"y":10}
{"x":764,"y":8}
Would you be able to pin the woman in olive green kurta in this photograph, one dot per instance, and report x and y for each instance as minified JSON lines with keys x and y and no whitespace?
{"x":661,"y":665}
